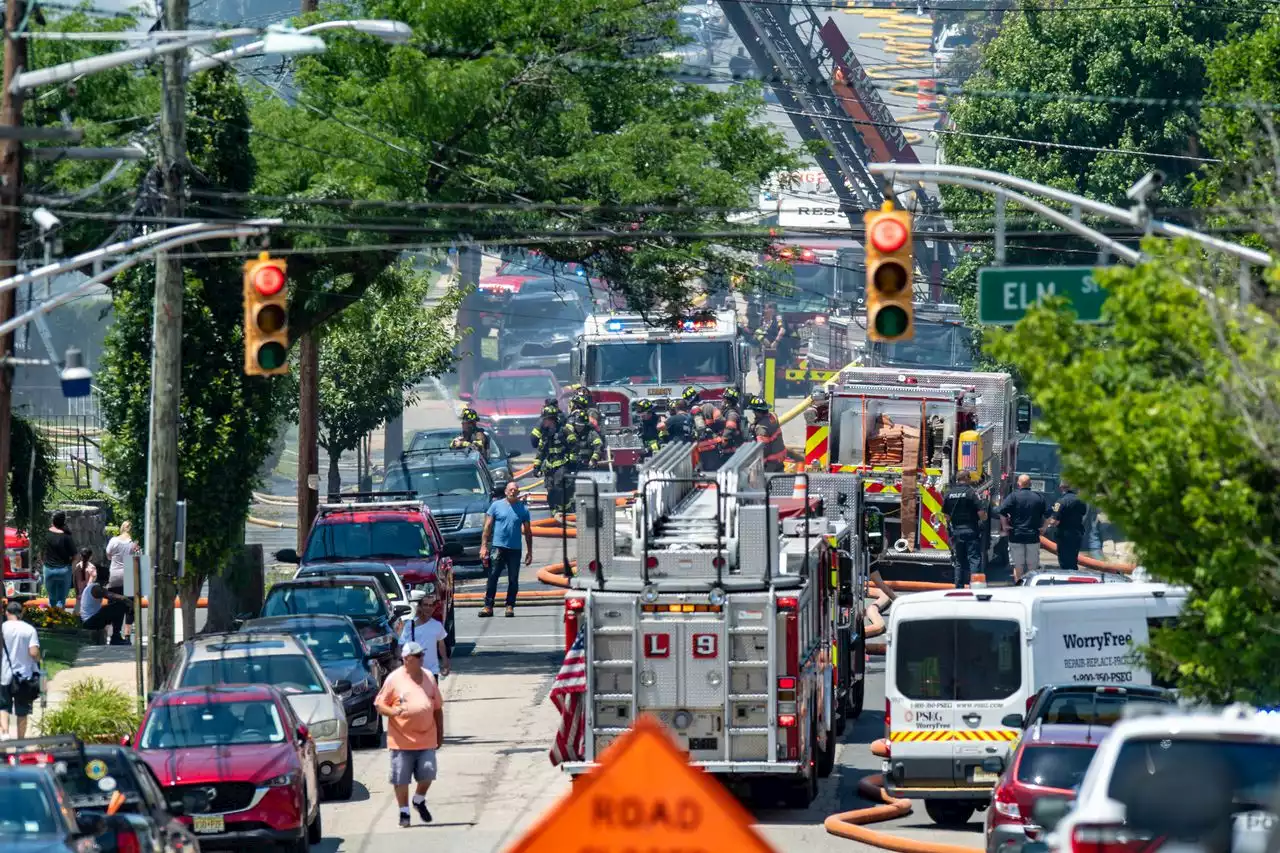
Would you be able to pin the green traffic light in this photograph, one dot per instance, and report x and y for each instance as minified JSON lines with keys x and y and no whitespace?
{"x":272,"y":355}
{"x":891,"y":321}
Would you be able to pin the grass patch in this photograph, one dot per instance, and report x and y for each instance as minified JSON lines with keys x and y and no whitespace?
{"x":59,"y":649}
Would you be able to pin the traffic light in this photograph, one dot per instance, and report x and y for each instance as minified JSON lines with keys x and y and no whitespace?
{"x":889,"y":273}
{"x":266,"y":317}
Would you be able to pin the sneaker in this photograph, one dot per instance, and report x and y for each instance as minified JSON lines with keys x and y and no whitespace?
{"x":120,"y":641}
{"x":404,"y":820}
{"x":511,"y":611}
{"x":485,"y":612}
{"x":422,"y":811}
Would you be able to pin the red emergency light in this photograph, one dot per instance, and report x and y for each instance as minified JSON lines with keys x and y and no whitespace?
{"x":808,"y":256}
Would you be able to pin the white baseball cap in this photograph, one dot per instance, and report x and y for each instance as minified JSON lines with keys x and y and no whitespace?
{"x":412,"y":648}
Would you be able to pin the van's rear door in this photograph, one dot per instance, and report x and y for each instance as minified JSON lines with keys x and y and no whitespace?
{"x":992,"y":682}
{"x":919,"y":689}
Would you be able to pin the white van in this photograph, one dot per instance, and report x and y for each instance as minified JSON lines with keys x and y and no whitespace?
{"x":962,"y":664}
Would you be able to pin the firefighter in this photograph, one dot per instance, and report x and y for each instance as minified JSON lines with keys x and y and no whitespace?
{"x":472,"y":435}
{"x":965,"y":512}
{"x":679,"y":424}
{"x":732,"y":431}
{"x":768,"y":432}
{"x":588,"y":443}
{"x":554,"y":443}
{"x":580,"y":403}
{"x":649,"y":425}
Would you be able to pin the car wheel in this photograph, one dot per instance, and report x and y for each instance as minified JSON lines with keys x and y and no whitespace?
{"x":803,"y":791}
{"x":315,"y":831}
{"x":341,"y":790}
{"x":950,"y":813}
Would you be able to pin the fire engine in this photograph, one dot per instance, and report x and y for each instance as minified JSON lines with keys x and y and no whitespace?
{"x":620,"y":357}
{"x":727,"y":607}
{"x":908,"y":433}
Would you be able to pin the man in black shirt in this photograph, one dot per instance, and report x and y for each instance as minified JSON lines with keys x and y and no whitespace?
{"x":1022,"y":517}
{"x":962,"y":506}
{"x":1068,"y":516}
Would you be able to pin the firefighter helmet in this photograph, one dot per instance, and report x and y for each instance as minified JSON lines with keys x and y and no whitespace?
{"x":644,"y":404}
{"x":469,"y":415}
{"x":732,"y":396}
{"x":580,"y":401}
{"x":551,"y":410}
{"x":690,"y":394}
{"x":757,"y":403}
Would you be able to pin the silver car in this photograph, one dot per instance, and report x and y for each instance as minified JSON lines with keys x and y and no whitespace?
{"x":279,"y":660}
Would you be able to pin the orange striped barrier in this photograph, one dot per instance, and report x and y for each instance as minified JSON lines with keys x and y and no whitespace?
{"x":71,"y":602}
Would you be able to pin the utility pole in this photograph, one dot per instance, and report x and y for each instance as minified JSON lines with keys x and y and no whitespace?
{"x":166,"y":361}
{"x":308,"y":413}
{"x":15,"y":55}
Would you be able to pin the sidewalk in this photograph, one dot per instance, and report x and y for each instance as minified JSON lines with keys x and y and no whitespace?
{"x":113,"y":664}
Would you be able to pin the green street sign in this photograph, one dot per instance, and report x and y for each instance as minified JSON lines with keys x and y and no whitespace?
{"x":1005,"y":293}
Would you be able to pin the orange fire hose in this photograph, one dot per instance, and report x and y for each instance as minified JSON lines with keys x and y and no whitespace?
{"x":1089,"y":562}
{"x":554,"y":574}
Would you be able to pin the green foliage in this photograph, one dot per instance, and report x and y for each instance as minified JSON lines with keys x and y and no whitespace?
{"x":226,"y":419}
{"x":33,"y":474}
{"x":373,"y":355}
{"x":115,"y":509}
{"x":52,"y":618}
{"x":95,"y":712}
{"x":1166,"y":420}
{"x":507,"y":103}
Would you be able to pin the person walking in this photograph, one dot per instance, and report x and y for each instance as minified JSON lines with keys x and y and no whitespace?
{"x":1022,"y":516}
{"x":120,"y":551}
{"x":94,"y":615}
{"x":963,"y":508}
{"x":414,"y":708}
{"x":19,"y":669}
{"x":427,"y":631}
{"x":83,"y":572}
{"x":504,"y":521}
{"x":554,"y":445}
{"x":59,"y":551}
{"x":1068,"y":516}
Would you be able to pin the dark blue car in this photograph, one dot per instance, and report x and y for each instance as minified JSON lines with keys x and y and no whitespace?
{"x":457,"y":487}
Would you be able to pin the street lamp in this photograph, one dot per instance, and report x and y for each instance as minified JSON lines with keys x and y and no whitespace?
{"x":76,"y":378}
{"x":391,"y":32}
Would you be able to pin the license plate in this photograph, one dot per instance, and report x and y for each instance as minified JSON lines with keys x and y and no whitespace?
{"x":518,"y":430}
{"x":980,"y":775}
{"x":208,"y":823}
{"x":703,"y":743}
{"x":1037,"y":485}
{"x":659,"y":392}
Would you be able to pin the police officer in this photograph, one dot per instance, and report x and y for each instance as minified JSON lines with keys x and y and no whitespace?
{"x":679,"y":425}
{"x":554,"y":448}
{"x":768,"y":431}
{"x":1068,"y":516}
{"x":472,"y":435}
{"x":965,"y":512}
{"x":648,"y":424}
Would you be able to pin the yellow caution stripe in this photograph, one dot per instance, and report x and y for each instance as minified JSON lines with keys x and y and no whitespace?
{"x":800,"y":374}
{"x":1006,"y":735}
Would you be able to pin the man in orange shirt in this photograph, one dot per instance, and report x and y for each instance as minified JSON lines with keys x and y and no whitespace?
{"x":414,"y":709}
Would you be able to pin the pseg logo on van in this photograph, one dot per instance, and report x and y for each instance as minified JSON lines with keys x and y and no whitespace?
{"x":924,"y":719}
{"x":1104,"y":640}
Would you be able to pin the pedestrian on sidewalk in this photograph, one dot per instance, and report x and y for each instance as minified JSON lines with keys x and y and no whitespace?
{"x":19,"y":669}
{"x":83,"y":572}
{"x":120,"y":551}
{"x":414,"y":708}
{"x":59,"y":551}
{"x":428,"y":631}
{"x":1022,"y":517}
{"x":94,"y":615}
{"x":504,"y":521}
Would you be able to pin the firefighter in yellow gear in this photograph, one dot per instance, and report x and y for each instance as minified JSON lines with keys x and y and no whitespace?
{"x":554,"y":445}
{"x":472,"y":435}
{"x":768,"y":431}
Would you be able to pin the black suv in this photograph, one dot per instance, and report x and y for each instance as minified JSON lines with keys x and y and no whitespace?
{"x":357,"y":596}
{"x":540,"y":330}
{"x":456,"y":486}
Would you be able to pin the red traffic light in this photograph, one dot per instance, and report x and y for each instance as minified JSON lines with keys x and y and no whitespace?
{"x":888,"y":235}
{"x":268,"y":280}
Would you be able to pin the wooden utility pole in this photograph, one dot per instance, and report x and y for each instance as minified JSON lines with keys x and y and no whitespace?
{"x":166,"y":361}
{"x":15,"y":54}
{"x":308,"y":426}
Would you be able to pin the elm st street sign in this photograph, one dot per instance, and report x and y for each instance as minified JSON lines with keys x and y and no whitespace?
{"x":1006,"y":293}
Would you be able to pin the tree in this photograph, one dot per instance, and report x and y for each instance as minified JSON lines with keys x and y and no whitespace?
{"x":373,"y":356}
{"x":226,"y":420}
{"x":1168,"y":421}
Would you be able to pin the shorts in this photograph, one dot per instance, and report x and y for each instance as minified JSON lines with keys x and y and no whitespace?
{"x":1025,"y":555}
{"x":11,"y":704}
{"x":412,"y":765}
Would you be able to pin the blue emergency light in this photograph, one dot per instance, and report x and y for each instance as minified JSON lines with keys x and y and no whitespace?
{"x":613,"y":326}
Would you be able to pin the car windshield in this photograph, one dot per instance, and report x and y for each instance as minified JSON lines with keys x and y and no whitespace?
{"x":539,"y":263}
{"x":690,"y":25}
{"x":362,"y":540}
{"x":672,"y":362}
{"x":348,"y":599}
{"x":535,"y":314}
{"x":807,"y":287}
{"x":1249,"y":768}
{"x":942,"y":345}
{"x":27,"y":808}
{"x":1099,"y":709}
{"x":1038,"y":458}
{"x":435,"y":480}
{"x":386,"y":578}
{"x":212,"y":724}
{"x":515,"y":387}
{"x":291,"y":673}
{"x":80,"y":784}
{"x":1054,"y":766}
{"x":960,"y":660}
{"x":427,"y":440}
{"x":329,"y":644}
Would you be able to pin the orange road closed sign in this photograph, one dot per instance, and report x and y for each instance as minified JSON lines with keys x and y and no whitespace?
{"x":645,"y":798}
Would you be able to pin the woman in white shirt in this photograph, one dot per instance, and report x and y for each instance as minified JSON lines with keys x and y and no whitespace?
{"x":428,"y":632}
{"x":120,"y":551}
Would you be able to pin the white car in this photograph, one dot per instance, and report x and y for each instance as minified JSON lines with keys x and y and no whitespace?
{"x":1174,"y":777}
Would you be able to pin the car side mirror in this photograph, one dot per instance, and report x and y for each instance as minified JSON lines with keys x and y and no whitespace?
{"x":512,"y":454}
{"x":994,"y":764}
{"x":1023,"y":415}
{"x":1012,"y":721}
{"x":91,"y":823}
{"x":151,"y":697}
{"x":127,"y":740}
{"x":465,"y":396}
{"x":452,"y":549}
{"x":304,"y":733}
{"x":288,"y":555}
{"x":342,"y":686}
{"x":402,"y":610}
{"x":1048,"y":812}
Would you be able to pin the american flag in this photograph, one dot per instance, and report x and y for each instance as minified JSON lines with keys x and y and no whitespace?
{"x":566,"y":695}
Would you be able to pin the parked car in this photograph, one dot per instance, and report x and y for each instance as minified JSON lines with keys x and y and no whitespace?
{"x":1039,"y":459}
{"x":1055,"y":577}
{"x":244,"y":752}
{"x":1099,"y":704}
{"x":457,"y":487}
{"x":509,"y":402}
{"x":91,"y":776}
{"x":401,"y":533}
{"x":284,"y":662}
{"x":354,"y":672}
{"x":696,"y":54}
{"x":500,"y":456}
{"x":359,"y":597}
{"x":386,"y":575}
{"x":539,"y":330}
{"x":1049,"y":760}
{"x":36,"y":815}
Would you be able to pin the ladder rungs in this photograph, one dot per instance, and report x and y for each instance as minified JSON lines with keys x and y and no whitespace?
{"x":749,"y":730}
{"x":614,"y":662}
{"x":748,"y":630}
{"x":747,"y":697}
{"x":754,"y":664}
{"x":614,"y":629}
{"x":616,"y":697}
{"x":610,"y":731}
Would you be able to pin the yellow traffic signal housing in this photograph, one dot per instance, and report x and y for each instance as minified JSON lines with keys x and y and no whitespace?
{"x":889,"y":273}
{"x":266,"y":316}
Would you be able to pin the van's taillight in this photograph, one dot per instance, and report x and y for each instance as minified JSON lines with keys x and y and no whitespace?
{"x":1031,"y":700}
{"x":1005,"y":802}
{"x":887,"y":706}
{"x":1104,"y":838}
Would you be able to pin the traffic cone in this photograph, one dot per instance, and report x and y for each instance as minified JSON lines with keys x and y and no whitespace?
{"x":798,"y":489}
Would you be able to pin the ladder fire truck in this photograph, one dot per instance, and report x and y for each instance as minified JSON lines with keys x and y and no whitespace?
{"x":727,"y":608}
{"x":620,"y":358}
{"x":908,"y":433}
